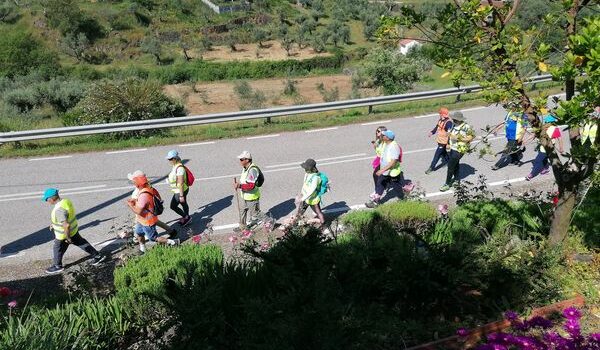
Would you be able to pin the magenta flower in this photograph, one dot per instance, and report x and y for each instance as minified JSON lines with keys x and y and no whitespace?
{"x":511,"y":315}
{"x":233,"y":239}
{"x":572,"y":313}
{"x":540,"y":322}
{"x":196,"y":239}
{"x":572,"y":326}
{"x":13,"y":304}
{"x":4,"y":292}
{"x":443,"y":209}
{"x":595,"y":338}
{"x":462,"y":332}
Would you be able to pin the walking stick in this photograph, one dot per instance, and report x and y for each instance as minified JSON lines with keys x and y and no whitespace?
{"x":237,"y":200}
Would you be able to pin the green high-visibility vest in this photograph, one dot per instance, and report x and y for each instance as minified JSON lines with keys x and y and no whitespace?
{"x":59,"y":231}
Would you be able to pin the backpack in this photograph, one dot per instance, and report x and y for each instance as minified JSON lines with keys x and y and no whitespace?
{"x":324,"y":184}
{"x":189,"y":176}
{"x":159,"y":205}
{"x":261,"y":178}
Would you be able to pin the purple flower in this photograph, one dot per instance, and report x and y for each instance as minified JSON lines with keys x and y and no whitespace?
{"x":462,"y":332}
{"x":572,"y":313}
{"x":511,"y":315}
{"x":520,"y":326}
{"x":572,"y":326}
{"x":540,"y":322}
{"x":13,"y":304}
{"x":594,"y":338}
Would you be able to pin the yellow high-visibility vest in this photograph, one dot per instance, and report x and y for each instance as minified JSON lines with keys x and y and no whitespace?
{"x":589,"y":131}
{"x":254,"y":193}
{"x":59,"y":231}
{"x":173,"y":178}
{"x":460,"y":132}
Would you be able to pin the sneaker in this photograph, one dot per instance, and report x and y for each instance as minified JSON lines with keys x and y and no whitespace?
{"x":428,"y":171}
{"x":54,"y":269}
{"x":176,"y":241}
{"x":545,"y":171}
{"x":371,"y":204}
{"x":97,"y":259}
{"x":495,"y":167}
{"x":528,"y":177}
{"x":172,"y":233}
{"x":444,"y":188}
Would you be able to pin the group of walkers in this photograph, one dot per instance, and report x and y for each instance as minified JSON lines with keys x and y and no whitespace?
{"x":453,"y":137}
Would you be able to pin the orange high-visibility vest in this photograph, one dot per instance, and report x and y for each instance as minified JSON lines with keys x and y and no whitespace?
{"x":442,"y":134}
{"x":148,"y":218}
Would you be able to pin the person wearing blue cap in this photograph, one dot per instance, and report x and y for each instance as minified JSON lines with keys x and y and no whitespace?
{"x":66,"y":231}
{"x":540,"y":163}
{"x":390,"y":170}
{"x":178,"y":181}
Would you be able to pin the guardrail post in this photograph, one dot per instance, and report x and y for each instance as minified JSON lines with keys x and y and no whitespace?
{"x":370,"y":110}
{"x":268,"y":120}
{"x":458,"y":98}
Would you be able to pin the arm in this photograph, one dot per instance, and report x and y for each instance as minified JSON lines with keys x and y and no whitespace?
{"x":67,"y":227}
{"x":387,"y":167}
{"x":180,"y":187}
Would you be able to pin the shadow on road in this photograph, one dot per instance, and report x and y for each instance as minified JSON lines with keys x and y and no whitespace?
{"x":282,"y":209}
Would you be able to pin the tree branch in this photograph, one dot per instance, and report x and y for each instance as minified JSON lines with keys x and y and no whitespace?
{"x":513,"y":10}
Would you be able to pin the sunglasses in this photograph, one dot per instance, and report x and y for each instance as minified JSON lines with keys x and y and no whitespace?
{"x":243,"y":159}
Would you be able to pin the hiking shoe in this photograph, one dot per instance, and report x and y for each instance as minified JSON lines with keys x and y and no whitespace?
{"x":528,"y":177}
{"x":495,"y":167}
{"x":172,"y":233}
{"x":545,"y":171}
{"x":176,"y":241}
{"x":97,"y":260}
{"x":428,"y":171}
{"x":371,"y":204}
{"x":54,"y":269}
{"x":444,"y":188}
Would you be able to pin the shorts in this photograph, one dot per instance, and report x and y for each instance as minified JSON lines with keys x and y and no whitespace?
{"x":148,"y":231}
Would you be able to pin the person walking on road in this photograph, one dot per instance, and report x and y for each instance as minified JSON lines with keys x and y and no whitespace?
{"x":460,"y":137}
{"x":250,"y":181}
{"x":540,"y":163}
{"x":146,"y":212}
{"x":66,"y":231}
{"x":378,"y":145}
{"x":178,"y":182}
{"x":514,"y":127}
{"x":441,"y":129}
{"x":311,"y":191}
{"x":135,"y":194}
{"x":390,"y":170}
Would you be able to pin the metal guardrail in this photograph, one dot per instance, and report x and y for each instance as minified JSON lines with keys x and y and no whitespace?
{"x":40,"y":134}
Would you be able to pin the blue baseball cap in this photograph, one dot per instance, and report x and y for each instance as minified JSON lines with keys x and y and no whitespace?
{"x":172,"y":154}
{"x":49,"y":193}
{"x":389,"y":134}
{"x":550,"y":119}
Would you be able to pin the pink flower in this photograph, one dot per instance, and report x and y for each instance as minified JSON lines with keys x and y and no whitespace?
{"x":462,"y":332}
{"x":233,"y":239}
{"x":443,"y":209}
{"x":4,"y":292}
{"x":13,"y":304}
{"x":572,"y":313}
{"x":264,"y":247}
{"x":196,"y":239}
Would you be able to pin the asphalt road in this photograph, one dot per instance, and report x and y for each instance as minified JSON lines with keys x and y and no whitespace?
{"x":98,"y":186}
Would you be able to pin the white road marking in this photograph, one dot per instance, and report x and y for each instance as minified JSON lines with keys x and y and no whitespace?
{"x":128,"y":151}
{"x":197,"y":144}
{"x":49,"y":158}
{"x":262,"y":137}
{"x":318,"y":160}
{"x":319,"y":130}
{"x":225,"y":227}
{"x":506,"y":182}
{"x":40,"y":193}
{"x":104,"y":244}
{"x":426,"y":116}
{"x":377,"y":122}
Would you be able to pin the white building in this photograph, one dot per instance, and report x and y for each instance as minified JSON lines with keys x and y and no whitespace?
{"x":406,"y":45}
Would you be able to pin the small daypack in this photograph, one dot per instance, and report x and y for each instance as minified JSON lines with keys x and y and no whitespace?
{"x":159,"y":205}
{"x":324,"y":188}
{"x":261,"y":178}
{"x":189,"y":176}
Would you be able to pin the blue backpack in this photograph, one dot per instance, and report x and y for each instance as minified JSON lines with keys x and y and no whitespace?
{"x":324,"y":184}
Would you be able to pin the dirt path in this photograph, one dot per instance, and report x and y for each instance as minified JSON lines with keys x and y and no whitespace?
{"x":271,"y":50}
{"x":220,"y":96}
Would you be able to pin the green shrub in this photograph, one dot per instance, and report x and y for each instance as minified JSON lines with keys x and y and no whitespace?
{"x":122,"y":101}
{"x":21,"y":54}
{"x":82,"y":324}
{"x":148,"y":276}
{"x":407,"y":212}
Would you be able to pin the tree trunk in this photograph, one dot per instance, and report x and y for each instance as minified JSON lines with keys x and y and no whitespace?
{"x":561,"y":218}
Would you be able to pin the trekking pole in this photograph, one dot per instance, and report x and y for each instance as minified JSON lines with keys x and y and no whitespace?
{"x":237,"y":200}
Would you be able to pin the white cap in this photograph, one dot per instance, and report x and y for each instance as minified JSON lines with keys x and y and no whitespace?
{"x":245,"y":154}
{"x":137,"y":173}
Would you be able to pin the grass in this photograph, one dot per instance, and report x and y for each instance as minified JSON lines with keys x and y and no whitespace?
{"x":237,"y":129}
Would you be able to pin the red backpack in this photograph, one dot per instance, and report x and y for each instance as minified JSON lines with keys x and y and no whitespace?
{"x":189,"y":176}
